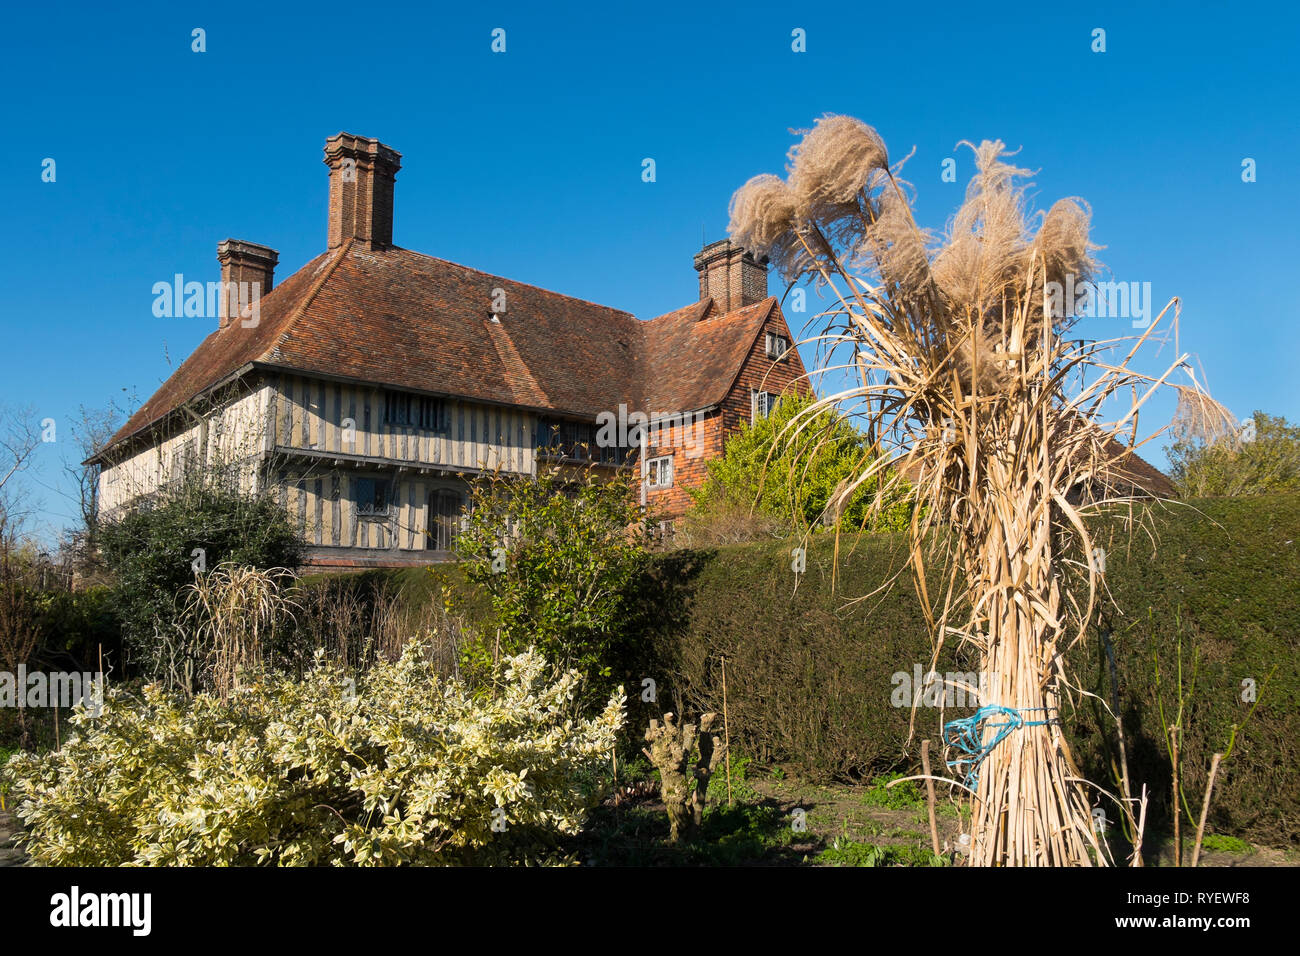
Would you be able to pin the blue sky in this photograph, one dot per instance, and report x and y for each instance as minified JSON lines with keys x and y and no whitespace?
{"x":528,"y":163}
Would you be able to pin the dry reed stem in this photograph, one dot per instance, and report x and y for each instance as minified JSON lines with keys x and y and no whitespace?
{"x":1205,"y":807}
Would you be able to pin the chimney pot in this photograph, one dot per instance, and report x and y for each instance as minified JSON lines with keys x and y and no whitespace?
{"x":731,"y":276}
{"x":362,"y":172}
{"x":244,"y":262}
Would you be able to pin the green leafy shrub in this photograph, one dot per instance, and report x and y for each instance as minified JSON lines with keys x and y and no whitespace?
{"x":409,"y":769}
{"x":1266,"y":464}
{"x":150,"y":551}
{"x":558,"y":555}
{"x":788,"y":468}
{"x":80,"y":624}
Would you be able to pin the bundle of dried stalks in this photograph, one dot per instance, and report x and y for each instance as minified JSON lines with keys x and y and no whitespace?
{"x":236,"y":610}
{"x":962,"y":367}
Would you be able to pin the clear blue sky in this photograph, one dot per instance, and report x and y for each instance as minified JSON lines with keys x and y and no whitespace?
{"x":528,"y":163}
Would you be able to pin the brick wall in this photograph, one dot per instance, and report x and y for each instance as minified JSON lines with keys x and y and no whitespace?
{"x":757,"y":372}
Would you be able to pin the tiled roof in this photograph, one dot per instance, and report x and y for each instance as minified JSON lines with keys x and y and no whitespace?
{"x":689,"y":361}
{"x":405,"y":320}
{"x":1131,"y":470}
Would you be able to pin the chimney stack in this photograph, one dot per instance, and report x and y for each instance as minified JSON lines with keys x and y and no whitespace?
{"x":362,"y":171}
{"x":730,"y":276}
{"x":251,"y":267}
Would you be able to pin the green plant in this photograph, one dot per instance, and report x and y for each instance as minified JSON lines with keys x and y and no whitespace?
{"x":794,"y":467}
{"x":901,"y":796}
{"x":844,"y":852}
{"x":742,"y":791}
{"x":5,"y":783}
{"x":154,"y":550}
{"x":1218,"y":843}
{"x":401,"y":768}
{"x":557,"y":555}
{"x":1226,"y":464}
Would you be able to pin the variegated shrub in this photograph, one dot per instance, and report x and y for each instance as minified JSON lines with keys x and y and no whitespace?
{"x":405,"y":768}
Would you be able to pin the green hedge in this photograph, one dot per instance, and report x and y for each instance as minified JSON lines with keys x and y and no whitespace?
{"x":809,"y":670}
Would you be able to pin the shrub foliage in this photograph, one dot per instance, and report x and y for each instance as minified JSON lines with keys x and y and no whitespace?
{"x":151,"y":549}
{"x":408,"y":769}
{"x":557,"y":556}
{"x":788,"y":467}
{"x":1268,"y":463}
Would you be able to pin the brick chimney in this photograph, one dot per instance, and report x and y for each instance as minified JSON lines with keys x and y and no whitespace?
{"x":248,"y":263}
{"x":362,"y":171}
{"x":730,"y":276}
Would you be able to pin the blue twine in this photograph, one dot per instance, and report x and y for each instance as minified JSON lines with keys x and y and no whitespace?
{"x":966,"y":734}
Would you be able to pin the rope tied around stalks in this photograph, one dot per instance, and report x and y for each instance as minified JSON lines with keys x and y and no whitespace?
{"x":966,"y":734}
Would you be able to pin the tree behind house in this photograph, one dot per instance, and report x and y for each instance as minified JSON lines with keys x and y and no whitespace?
{"x":789,"y":469}
{"x":1230,"y":466}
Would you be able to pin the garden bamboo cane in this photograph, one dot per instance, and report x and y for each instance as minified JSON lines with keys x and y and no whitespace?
{"x":726,"y":728}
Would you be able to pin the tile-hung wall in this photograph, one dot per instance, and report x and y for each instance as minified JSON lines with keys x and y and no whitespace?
{"x":312,"y":417}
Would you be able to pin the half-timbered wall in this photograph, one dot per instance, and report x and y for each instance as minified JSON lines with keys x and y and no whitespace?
{"x":347,"y":421}
{"x":231,"y":438}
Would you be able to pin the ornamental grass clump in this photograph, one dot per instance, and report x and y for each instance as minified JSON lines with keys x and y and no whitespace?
{"x":402,"y":767}
{"x":959,"y":360}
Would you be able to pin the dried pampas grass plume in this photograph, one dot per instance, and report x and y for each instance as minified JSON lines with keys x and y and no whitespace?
{"x":1062,"y":242}
{"x":838,"y":158}
{"x":762,"y":217}
{"x":1198,"y":417}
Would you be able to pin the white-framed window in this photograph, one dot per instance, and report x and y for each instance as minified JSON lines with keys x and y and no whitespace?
{"x":659,"y":472}
{"x":777,"y":345}
{"x":761,"y":404}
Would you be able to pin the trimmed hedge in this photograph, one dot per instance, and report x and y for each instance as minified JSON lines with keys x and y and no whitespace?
{"x":809,"y":669}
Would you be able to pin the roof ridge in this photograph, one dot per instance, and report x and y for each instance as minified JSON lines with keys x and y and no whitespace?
{"x":527,"y":285}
